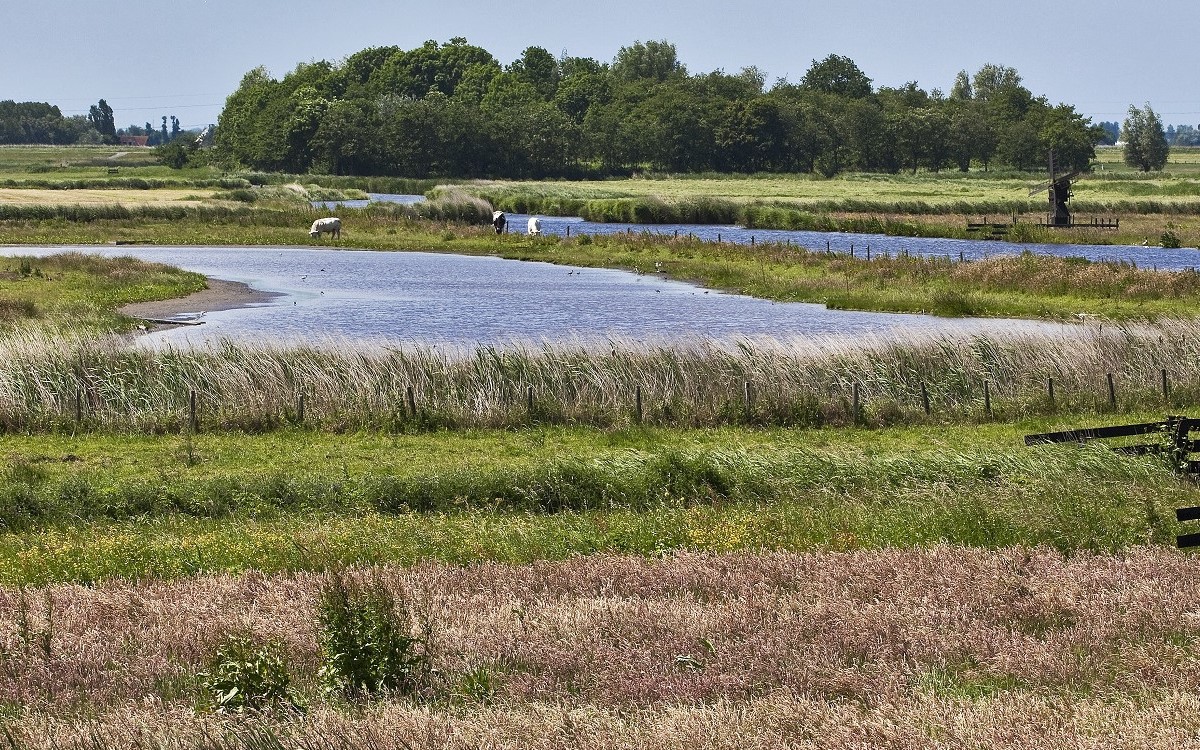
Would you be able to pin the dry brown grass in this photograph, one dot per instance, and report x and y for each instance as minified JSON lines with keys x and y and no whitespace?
{"x":105,"y":197}
{"x":944,"y":647}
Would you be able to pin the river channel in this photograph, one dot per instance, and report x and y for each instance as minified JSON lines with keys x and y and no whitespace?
{"x":328,"y":295}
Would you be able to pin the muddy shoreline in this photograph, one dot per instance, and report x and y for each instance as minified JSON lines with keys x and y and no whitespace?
{"x":220,"y":295}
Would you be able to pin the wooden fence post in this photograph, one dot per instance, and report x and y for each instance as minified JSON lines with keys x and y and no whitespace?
{"x":1050,"y":389}
{"x":637,"y":404}
{"x":925,"y":398}
{"x":1112,"y":391}
{"x":412,"y":401}
{"x":192,"y":418}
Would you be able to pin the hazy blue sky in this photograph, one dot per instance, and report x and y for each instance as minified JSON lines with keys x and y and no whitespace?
{"x":149,"y":59}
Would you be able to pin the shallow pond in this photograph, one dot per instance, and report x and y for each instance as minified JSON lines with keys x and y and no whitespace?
{"x":435,"y":298}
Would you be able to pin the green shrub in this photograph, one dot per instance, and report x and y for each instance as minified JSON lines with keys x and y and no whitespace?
{"x":367,"y":641}
{"x":246,"y":675}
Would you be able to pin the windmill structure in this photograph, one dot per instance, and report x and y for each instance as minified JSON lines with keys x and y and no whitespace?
{"x":1059,"y":192}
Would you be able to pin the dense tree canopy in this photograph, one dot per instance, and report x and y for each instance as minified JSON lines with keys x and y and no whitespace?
{"x":38,"y":122}
{"x":452,"y":109}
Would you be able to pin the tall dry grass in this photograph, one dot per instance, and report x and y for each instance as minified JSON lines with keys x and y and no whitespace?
{"x":942,"y":647}
{"x":60,"y":382}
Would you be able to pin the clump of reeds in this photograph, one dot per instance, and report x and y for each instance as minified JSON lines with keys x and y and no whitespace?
{"x":54,"y":383}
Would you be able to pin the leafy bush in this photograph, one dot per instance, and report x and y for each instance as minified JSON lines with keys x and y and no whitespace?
{"x":1169,"y":240}
{"x":245,"y":675}
{"x":367,"y":641}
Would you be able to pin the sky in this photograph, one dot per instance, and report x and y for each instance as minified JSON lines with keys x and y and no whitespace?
{"x":150,"y":59}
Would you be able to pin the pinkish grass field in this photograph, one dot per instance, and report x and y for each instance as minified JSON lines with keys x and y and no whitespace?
{"x":942,"y":647}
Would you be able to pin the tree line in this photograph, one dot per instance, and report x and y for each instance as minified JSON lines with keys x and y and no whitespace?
{"x":43,"y":123}
{"x":453,"y":110}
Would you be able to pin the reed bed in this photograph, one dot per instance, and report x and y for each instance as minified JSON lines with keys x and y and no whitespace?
{"x":54,"y":382}
{"x":939,"y":647}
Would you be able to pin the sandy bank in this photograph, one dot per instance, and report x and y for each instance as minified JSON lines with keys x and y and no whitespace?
{"x":220,"y":295}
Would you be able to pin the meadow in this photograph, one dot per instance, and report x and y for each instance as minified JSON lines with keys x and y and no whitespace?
{"x":767,"y":542}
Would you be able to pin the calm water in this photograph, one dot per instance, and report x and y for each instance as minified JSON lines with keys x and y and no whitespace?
{"x":450,"y":299}
{"x":372,"y":197}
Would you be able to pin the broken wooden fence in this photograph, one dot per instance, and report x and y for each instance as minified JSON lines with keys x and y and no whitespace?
{"x":1175,"y":443}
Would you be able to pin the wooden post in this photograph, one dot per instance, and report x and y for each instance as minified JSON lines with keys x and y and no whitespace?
{"x":192,"y":420}
{"x":1112,"y":391}
{"x":925,"y":398}
{"x":1050,"y":389}
{"x":412,"y":401}
{"x":868,"y":252}
{"x":637,"y":404}
{"x":568,"y":231}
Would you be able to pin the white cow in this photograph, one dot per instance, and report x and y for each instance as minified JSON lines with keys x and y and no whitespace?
{"x":332,"y":224}
{"x":535,"y":225}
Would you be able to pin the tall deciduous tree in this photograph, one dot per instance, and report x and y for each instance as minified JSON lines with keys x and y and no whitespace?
{"x":101,"y":117}
{"x":837,"y":75}
{"x":654,"y":60}
{"x":1146,"y":145}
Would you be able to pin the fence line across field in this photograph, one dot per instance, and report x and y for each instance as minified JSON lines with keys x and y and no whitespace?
{"x":747,"y":395}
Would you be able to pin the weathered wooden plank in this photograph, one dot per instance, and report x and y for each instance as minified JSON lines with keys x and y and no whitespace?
{"x":1094,"y":433}
{"x":1187,"y":540}
{"x":1187,"y":514}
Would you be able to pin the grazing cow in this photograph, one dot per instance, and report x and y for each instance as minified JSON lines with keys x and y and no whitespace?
{"x":332,"y":225}
{"x":535,"y":225}
{"x":498,"y":221}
